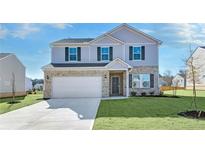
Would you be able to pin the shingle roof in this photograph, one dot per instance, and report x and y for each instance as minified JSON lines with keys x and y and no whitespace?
{"x":202,"y":47}
{"x":54,"y":65}
{"x":74,"y":40}
{"x":2,"y":55}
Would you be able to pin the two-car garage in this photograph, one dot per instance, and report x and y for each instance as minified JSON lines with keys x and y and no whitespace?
{"x":71,"y":87}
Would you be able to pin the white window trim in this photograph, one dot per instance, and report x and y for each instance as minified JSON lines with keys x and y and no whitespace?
{"x":140,"y":53}
{"x":76,"y":54}
{"x":141,"y":87}
{"x":108,"y":53}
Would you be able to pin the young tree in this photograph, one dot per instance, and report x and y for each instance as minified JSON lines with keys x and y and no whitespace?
{"x":193,"y":74}
{"x":13,"y":84}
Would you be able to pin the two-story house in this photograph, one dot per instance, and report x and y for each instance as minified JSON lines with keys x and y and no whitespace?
{"x":113,"y":64}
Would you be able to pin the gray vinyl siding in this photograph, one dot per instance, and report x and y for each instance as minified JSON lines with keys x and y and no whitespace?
{"x":89,"y":52}
{"x":7,"y":66}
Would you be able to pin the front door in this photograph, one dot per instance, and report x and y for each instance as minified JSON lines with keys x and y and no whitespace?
{"x":115,"y":86}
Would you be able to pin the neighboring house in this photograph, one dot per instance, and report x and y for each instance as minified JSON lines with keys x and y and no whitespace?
{"x":38,"y":86}
{"x":11,"y":69}
{"x":113,"y":64}
{"x":28,"y":84}
{"x":179,"y":81}
{"x":199,"y":62}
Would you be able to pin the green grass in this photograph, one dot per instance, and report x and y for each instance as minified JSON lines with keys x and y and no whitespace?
{"x":200,"y":93}
{"x":149,"y":113}
{"x":6,"y":105}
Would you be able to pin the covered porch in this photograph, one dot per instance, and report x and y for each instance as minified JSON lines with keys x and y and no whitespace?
{"x":118,"y":78}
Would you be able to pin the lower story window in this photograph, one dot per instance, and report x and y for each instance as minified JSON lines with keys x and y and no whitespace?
{"x":141,"y":81}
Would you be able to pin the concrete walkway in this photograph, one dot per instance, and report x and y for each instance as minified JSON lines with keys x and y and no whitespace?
{"x":74,"y":114}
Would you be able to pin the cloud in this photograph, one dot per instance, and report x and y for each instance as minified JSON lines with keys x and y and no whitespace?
{"x":61,"y":25}
{"x":3,"y":32}
{"x":180,"y":35}
{"x":148,"y":31}
{"x":24,"y":30}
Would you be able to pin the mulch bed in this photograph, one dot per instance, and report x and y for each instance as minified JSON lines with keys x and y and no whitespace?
{"x":193,"y":114}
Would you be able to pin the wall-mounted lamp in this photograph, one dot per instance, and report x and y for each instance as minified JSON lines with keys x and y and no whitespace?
{"x":47,"y":77}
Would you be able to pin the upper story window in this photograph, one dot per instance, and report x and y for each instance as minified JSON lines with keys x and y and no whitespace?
{"x":136,"y":53}
{"x":73,"y":54}
{"x":141,"y":80}
{"x":105,"y":53}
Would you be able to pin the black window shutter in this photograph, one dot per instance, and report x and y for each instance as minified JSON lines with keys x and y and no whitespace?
{"x":79,"y":53}
{"x":130,"y":53}
{"x":143,"y":52}
{"x":130,"y":80}
{"x":66,"y":53}
{"x":111,"y":53}
{"x":151,"y":80}
{"x":98,"y":53}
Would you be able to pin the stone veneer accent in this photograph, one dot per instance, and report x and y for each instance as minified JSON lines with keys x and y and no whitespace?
{"x":146,"y":70}
{"x":58,"y":73}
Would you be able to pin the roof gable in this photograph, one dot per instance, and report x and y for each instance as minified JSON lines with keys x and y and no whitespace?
{"x":106,"y":39}
{"x":118,"y":64}
{"x":129,"y":34}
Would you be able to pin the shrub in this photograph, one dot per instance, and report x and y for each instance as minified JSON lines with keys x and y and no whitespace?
{"x":29,"y":91}
{"x":151,"y":92}
{"x":133,"y":93}
{"x":161,"y":93}
{"x":143,"y":94}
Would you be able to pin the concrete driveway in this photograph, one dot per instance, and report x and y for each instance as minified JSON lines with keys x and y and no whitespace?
{"x":76,"y":113}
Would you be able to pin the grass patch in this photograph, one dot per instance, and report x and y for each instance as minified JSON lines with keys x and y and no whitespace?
{"x":149,"y":113}
{"x":200,"y":93}
{"x":7,"y":105}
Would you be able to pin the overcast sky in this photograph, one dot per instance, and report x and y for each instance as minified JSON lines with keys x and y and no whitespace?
{"x":30,"y":42}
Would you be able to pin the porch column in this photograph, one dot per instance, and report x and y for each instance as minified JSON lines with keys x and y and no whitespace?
{"x":127,"y":83}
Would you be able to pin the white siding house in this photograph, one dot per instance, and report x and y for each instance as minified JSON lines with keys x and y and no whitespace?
{"x":10,"y":64}
{"x":199,"y":62}
{"x":178,"y":81}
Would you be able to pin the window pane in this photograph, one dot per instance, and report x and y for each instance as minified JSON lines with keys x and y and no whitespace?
{"x":137,"y":53}
{"x":136,"y":77}
{"x":72,"y":51}
{"x":136,"y":81}
{"x":104,"y":57}
{"x":145,"y":77}
{"x":136,"y":56}
{"x":73,"y":54}
{"x":145,"y":80}
{"x":73,"y":57}
{"x":145,"y":84}
{"x":104,"y":50}
{"x":136,"y":50}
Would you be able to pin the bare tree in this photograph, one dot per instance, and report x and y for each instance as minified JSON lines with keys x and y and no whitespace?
{"x":193,"y":74}
{"x":167,"y":76}
{"x":13,"y":82}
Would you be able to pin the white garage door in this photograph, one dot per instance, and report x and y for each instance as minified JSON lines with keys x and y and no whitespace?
{"x":65,"y":87}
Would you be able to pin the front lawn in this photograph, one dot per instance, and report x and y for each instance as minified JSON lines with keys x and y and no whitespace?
{"x":200,"y":93}
{"x":6,"y":105}
{"x":144,"y":113}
